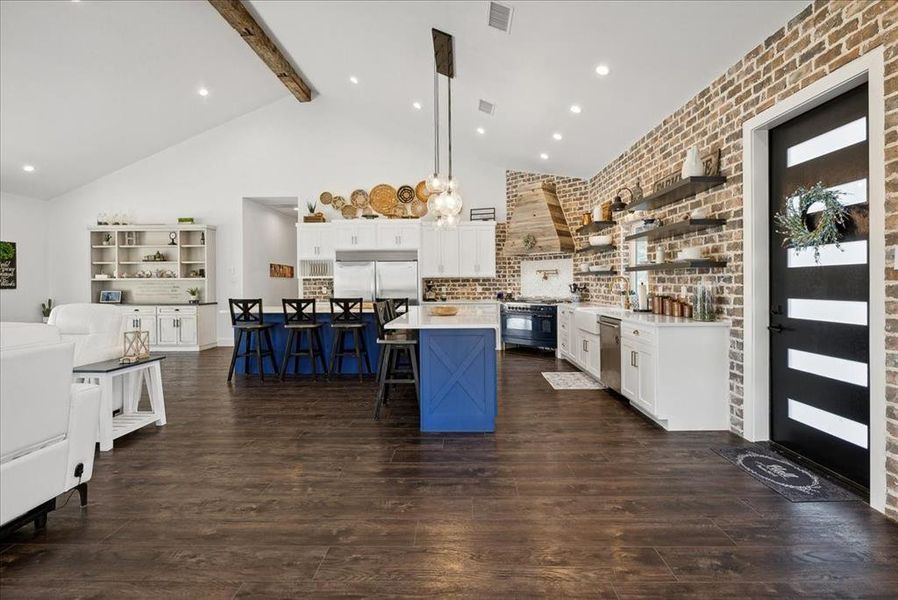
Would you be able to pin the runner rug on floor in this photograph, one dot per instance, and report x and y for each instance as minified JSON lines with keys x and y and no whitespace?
{"x":783,"y":476}
{"x":571,"y":380}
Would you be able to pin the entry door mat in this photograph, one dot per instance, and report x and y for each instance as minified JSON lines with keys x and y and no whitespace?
{"x":571,"y":380}
{"x":790,"y":480}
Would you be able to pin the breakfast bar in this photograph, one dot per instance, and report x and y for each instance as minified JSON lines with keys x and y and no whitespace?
{"x":458,"y":367}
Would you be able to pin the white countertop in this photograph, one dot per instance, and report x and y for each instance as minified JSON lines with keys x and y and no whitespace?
{"x":468,"y":317}
{"x":629,"y":316}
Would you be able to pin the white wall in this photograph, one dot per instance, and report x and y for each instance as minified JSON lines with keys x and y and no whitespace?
{"x":284,"y":149}
{"x":268,"y":237}
{"x":24,"y":221}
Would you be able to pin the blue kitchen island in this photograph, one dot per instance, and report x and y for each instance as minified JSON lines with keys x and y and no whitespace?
{"x":458,"y":367}
{"x":275,"y":316}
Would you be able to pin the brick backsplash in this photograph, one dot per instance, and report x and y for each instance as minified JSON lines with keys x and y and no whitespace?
{"x":823,"y":37}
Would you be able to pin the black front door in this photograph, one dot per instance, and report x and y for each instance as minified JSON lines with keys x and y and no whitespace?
{"x":819,"y":343}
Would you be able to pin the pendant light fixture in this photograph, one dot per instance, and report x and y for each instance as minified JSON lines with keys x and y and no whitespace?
{"x":445,"y":201}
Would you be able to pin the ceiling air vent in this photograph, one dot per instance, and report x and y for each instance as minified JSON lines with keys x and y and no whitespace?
{"x":500,"y":16}
{"x":486,"y":107}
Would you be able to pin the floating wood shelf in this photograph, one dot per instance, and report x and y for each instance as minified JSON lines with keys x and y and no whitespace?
{"x":595,"y":227}
{"x":685,"y":188}
{"x":674,"y":229}
{"x":596,"y":249}
{"x":680,"y":264}
{"x":604,"y":273}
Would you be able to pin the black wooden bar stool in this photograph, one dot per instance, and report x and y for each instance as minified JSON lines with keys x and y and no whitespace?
{"x":300,"y":317}
{"x":247,"y":319}
{"x":393,"y":344}
{"x":346,"y":321}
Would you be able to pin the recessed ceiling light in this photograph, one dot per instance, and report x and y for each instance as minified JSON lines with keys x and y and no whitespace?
{"x":544,"y":156}
{"x":296,"y":208}
{"x":575,"y":108}
{"x":203,"y":92}
{"x":602,"y":70}
{"x":557,"y":137}
{"x":353,"y":79}
{"x":481,"y":130}
{"x":416,"y":105}
{"x":28,"y":168}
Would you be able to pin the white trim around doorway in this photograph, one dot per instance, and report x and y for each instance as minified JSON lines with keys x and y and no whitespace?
{"x":868,"y":68}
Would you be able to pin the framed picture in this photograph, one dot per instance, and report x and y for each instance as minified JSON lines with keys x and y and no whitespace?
{"x":8,"y":272}
{"x":280,"y":271}
{"x":110,"y":297}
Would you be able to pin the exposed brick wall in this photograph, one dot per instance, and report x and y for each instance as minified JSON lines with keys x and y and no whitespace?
{"x":823,"y":37}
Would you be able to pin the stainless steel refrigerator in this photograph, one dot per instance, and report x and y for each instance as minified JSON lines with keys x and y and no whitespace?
{"x":372,"y":275}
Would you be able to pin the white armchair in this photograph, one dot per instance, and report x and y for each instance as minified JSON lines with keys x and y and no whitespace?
{"x":96,"y":330}
{"x":48,"y":426}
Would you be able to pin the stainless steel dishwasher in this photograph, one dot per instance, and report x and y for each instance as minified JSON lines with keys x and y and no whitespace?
{"x":609,"y":333}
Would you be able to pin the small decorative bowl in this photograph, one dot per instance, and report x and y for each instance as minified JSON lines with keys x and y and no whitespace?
{"x":444,"y":311}
{"x":599,"y":240}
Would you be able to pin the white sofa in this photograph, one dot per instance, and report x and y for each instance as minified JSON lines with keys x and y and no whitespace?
{"x":48,"y":425}
{"x":97,"y":332}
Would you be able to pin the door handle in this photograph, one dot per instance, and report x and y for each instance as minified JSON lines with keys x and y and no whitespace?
{"x":776,"y":328}
{"x":636,"y":359}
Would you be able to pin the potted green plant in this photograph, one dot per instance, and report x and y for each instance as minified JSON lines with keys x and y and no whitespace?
{"x":194,"y":294}
{"x":793,"y":222}
{"x":46,"y":309}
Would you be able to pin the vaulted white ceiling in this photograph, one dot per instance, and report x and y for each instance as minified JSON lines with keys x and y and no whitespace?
{"x":89,"y":87}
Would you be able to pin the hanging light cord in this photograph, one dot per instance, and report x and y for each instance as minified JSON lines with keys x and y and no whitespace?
{"x":436,"y":121}
{"x":449,"y":85}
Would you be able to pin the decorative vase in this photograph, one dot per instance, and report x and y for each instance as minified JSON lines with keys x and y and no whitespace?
{"x":692,"y":166}
{"x":597,"y":213}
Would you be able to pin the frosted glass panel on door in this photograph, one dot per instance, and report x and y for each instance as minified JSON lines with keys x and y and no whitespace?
{"x":830,"y":311}
{"x":848,"y":253}
{"x":853,"y":192}
{"x":841,"y":369}
{"x":827,"y":422}
{"x":835,"y":139}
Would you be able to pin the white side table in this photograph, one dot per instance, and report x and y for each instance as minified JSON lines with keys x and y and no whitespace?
{"x":133,"y":375}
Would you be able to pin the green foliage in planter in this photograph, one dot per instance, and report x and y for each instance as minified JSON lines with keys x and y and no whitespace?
{"x":311,"y":206}
{"x":7,"y":251}
{"x":792,"y":222}
{"x":47,"y":308}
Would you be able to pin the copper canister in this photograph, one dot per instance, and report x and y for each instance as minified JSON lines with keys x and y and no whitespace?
{"x":586,"y":219}
{"x":666,"y":307}
{"x":656,"y":304}
{"x":687,"y":310}
{"x":677,"y":308}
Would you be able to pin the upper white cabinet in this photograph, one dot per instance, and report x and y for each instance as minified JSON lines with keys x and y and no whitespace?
{"x":354,"y":234}
{"x":439,"y":251}
{"x":468,"y":250}
{"x":477,"y":250}
{"x":398,"y":235}
{"x":316,"y":241}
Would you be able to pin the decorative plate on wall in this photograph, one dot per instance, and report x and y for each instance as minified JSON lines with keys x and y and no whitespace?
{"x":405,"y":193}
{"x":326,"y":197}
{"x":338,"y":202}
{"x":349,"y":211}
{"x":421,"y":191}
{"x":383,"y":198}
{"x":418,"y":208}
{"x":359,"y":198}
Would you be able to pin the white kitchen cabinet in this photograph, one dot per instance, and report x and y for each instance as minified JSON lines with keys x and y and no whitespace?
{"x":629,"y":376}
{"x":439,"y":252}
{"x":565,"y":331}
{"x":645,"y":364}
{"x":588,"y":352}
{"x":355,"y":234}
{"x":141,"y":318}
{"x":174,"y":328}
{"x":316,"y":241}
{"x":398,"y":235}
{"x":477,"y":249}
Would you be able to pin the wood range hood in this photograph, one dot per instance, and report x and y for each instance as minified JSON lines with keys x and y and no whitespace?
{"x":537,"y":224}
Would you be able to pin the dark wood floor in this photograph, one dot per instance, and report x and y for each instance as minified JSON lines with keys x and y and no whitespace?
{"x":291,"y":490}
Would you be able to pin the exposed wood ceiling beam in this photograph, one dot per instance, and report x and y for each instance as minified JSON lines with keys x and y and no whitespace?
{"x":236,"y":13}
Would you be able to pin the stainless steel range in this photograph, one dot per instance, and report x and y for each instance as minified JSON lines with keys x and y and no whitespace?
{"x":530,"y":322}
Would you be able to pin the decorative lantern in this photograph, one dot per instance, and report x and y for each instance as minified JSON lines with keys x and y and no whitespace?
{"x":137,"y":346}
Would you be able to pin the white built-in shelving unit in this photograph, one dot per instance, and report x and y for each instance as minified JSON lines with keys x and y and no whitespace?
{"x":123,"y":257}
